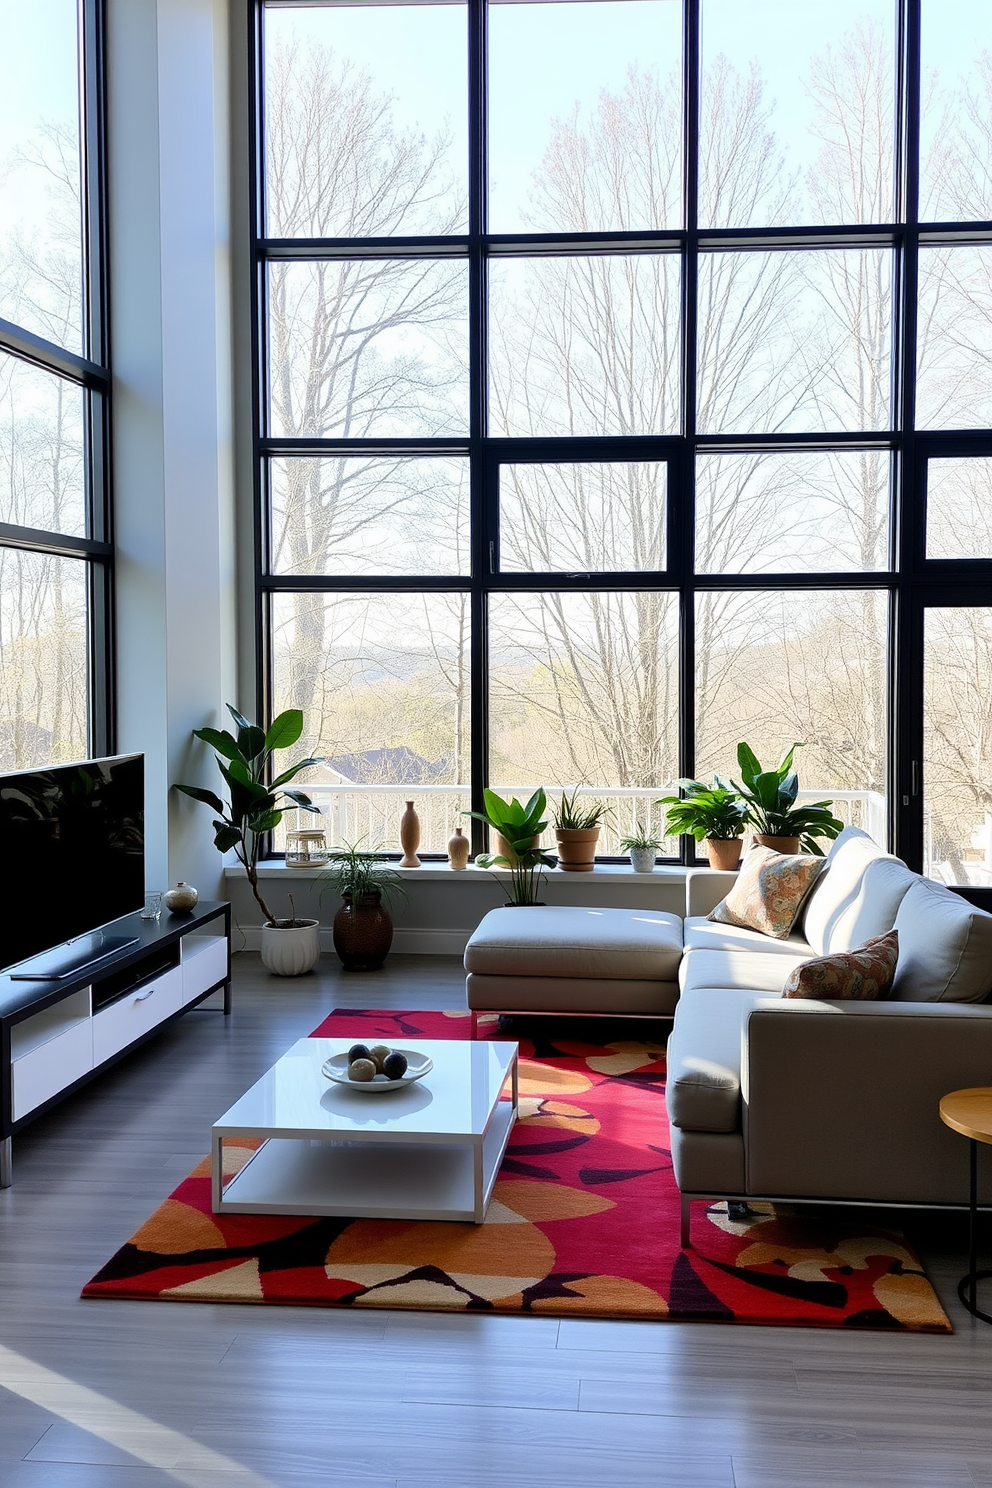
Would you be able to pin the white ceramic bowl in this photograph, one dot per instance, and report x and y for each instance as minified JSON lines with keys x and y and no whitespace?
{"x":417,"y":1065}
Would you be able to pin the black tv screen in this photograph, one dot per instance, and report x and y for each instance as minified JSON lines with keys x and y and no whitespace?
{"x":72,"y":849}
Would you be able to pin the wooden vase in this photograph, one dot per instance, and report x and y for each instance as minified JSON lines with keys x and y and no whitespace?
{"x":363,"y":932}
{"x":409,"y":837}
{"x":458,"y":849}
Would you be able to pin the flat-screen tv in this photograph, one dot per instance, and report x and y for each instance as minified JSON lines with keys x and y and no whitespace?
{"x":72,"y":859}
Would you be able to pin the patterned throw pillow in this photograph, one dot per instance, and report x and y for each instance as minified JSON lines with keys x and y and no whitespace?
{"x":769,"y":891}
{"x":861,"y":975}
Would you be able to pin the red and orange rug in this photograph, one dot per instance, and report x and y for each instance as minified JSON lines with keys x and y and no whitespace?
{"x":584,"y":1221}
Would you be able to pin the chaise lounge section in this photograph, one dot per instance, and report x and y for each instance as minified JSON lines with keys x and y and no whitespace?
{"x":773,"y":1098}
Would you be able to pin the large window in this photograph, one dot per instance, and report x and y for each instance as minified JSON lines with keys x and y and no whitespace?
{"x":623,"y":392}
{"x":54,"y":384}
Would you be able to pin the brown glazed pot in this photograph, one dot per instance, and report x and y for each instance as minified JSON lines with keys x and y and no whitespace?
{"x":577,"y":848}
{"x":777,"y":844}
{"x":724,"y":852}
{"x":363,"y":933}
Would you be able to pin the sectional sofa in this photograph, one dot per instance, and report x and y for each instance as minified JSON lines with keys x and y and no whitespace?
{"x":772,"y":1098}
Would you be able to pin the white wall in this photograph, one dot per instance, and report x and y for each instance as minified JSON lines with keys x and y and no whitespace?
{"x":169,"y":195}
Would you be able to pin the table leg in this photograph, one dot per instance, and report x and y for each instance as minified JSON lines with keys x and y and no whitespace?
{"x":217,"y":1172}
{"x":973,"y":1226}
{"x":6,"y":1163}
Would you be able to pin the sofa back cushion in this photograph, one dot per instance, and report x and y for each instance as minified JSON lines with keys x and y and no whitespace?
{"x":838,"y":886}
{"x":945,"y":947}
{"x":872,"y":910}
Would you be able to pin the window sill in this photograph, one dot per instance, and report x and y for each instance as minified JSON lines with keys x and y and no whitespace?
{"x":604,"y":874}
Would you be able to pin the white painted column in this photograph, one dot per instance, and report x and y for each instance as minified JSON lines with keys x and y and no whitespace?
{"x":169,"y":194}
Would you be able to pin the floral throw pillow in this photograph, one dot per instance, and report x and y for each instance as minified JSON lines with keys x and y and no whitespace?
{"x":861,"y":975}
{"x":769,"y":891}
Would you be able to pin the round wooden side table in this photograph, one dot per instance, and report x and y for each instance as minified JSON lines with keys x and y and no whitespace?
{"x":970,"y":1113}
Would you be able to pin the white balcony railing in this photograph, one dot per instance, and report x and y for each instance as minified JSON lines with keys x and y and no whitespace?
{"x":370,"y":814}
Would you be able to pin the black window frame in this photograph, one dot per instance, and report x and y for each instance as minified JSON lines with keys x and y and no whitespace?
{"x":91,"y":374}
{"x":908,"y":580}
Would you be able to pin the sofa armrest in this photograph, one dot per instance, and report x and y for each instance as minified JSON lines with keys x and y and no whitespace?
{"x":704,"y":888}
{"x":840,"y":1099}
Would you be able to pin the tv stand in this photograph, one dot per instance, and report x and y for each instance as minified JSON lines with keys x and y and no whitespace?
{"x":60,"y":1025}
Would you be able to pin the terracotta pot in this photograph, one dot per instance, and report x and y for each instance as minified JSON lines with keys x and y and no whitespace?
{"x":577,"y":848}
{"x":503,"y":849}
{"x":777,"y":844}
{"x":724,"y":852}
{"x":291,"y":950}
{"x":409,"y":837}
{"x":363,"y":932}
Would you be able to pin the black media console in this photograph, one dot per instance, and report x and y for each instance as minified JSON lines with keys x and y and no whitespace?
{"x":55,"y":1035}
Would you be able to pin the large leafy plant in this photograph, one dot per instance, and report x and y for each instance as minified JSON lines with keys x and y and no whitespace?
{"x":256,"y":805}
{"x":716,"y":810}
{"x":772,"y":808}
{"x":518,"y":825}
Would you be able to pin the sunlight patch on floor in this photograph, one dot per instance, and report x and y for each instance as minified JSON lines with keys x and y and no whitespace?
{"x":147,"y":1441}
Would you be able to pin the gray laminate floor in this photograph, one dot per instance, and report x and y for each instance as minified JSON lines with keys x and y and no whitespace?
{"x":143,"y":1395}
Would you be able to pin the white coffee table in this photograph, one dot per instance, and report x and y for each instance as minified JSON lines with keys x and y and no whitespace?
{"x":429,"y":1151}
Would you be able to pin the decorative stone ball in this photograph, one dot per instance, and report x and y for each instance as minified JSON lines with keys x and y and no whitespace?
{"x":180,"y":899}
{"x":362,"y":1070}
{"x":394,"y":1066}
{"x":358,"y":1051}
{"x":378,"y":1054}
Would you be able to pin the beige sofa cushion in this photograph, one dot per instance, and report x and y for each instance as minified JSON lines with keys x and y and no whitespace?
{"x":707,"y":935}
{"x":704,"y":1060}
{"x":565,"y":941}
{"x":837,"y":885}
{"x":743,"y":971}
{"x":945,"y":947}
{"x":857,"y":897}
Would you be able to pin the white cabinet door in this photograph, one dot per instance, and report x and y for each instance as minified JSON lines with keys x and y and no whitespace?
{"x":204,"y":963}
{"x":124,"y":1021}
{"x":37,"y":1076}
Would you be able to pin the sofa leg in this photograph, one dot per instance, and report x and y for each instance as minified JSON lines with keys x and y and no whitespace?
{"x":475,"y":1024}
{"x":684,"y":1240}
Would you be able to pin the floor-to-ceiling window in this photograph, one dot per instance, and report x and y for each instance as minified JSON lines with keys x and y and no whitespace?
{"x":54,"y":384}
{"x":613,"y":357}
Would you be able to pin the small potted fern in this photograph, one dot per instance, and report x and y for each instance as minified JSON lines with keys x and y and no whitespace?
{"x":643,"y":849}
{"x":577,"y":827}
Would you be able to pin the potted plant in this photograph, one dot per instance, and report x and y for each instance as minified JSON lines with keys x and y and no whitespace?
{"x":290,"y":946}
{"x":642,"y":848}
{"x":577,"y":827}
{"x":519,"y":827}
{"x":779,"y":821}
{"x":363,"y":926}
{"x":714,"y":814}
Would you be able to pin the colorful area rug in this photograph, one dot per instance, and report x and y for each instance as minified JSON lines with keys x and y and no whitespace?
{"x":584,"y":1221}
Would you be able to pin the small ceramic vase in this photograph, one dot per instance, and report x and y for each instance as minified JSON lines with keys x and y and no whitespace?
{"x":458,"y":847}
{"x":642,"y":859}
{"x":409,"y":837}
{"x":180,"y":899}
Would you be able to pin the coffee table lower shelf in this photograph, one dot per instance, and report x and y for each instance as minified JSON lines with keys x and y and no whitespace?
{"x":367,"y":1179}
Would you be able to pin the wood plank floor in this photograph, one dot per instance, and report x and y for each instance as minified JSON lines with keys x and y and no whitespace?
{"x":143,"y":1395}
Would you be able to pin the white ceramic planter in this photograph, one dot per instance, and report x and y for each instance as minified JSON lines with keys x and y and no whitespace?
{"x":291,"y":952}
{"x":642,"y":859}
